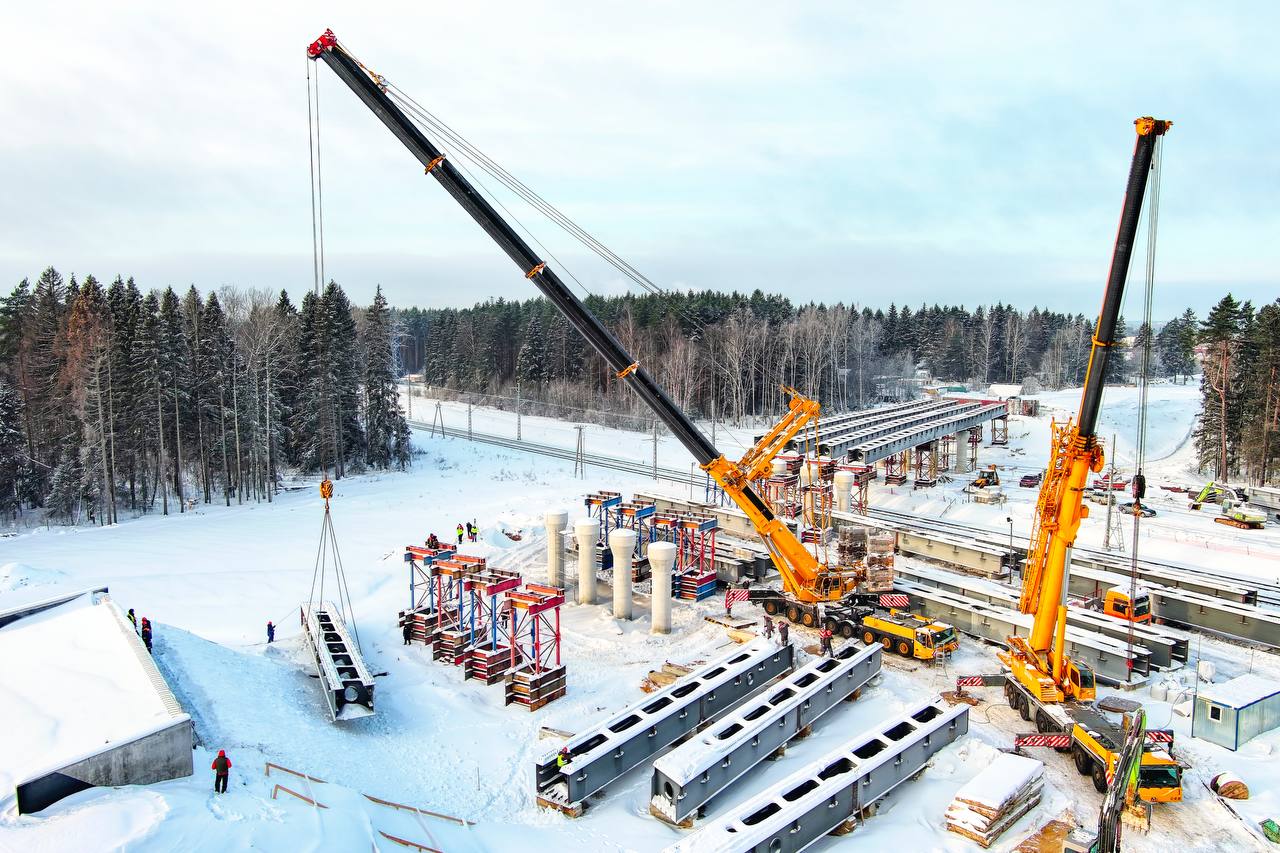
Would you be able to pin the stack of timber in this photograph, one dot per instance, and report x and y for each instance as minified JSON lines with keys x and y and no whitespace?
{"x":532,"y":690}
{"x":852,"y":544}
{"x":996,"y":798}
{"x":880,"y":562}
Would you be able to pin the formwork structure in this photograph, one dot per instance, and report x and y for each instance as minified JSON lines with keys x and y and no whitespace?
{"x":535,"y":675}
{"x":695,"y":541}
{"x":600,"y":505}
{"x":637,"y":516}
{"x":896,"y":466}
{"x":946,"y":448}
{"x":926,"y":465}
{"x":1000,"y":431}
{"x":489,"y":653}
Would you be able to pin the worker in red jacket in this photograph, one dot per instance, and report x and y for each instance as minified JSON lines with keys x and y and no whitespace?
{"x":221,"y":770}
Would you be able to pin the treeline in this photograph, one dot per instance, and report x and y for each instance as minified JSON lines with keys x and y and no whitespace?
{"x":113,"y":400}
{"x":727,"y":354}
{"x":1239,"y":432}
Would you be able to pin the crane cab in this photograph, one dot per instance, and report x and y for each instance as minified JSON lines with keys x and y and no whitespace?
{"x":1081,"y":684}
{"x":1117,"y":604}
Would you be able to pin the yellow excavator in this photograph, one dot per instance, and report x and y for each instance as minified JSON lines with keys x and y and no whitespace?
{"x":1042,"y":681}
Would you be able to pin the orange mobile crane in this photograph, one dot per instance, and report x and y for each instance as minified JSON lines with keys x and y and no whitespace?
{"x":808,"y":581}
{"x":1042,"y":681}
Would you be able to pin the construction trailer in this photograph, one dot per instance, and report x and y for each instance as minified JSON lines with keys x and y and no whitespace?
{"x":1236,"y":711}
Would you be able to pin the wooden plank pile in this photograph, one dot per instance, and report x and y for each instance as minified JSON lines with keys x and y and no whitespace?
{"x":996,"y":798}
{"x":880,"y":562}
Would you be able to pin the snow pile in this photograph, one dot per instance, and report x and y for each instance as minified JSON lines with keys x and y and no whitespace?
{"x":15,"y":576}
{"x":996,"y":798}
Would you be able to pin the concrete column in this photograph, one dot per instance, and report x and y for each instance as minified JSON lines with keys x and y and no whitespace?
{"x":586,"y":530}
{"x":622,"y":542}
{"x":662,"y":558}
{"x":556,"y":523}
{"x":961,"y":465}
{"x":843,"y":482}
{"x":779,"y":467}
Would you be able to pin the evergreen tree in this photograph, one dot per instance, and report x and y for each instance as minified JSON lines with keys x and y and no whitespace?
{"x":386,"y":432}
{"x":1220,"y":333}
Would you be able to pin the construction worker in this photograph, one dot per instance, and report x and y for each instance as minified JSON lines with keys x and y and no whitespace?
{"x":824,"y":637}
{"x":768,"y":627}
{"x":221,"y":768}
{"x":433,"y":542}
{"x":473,"y":530}
{"x":407,"y":631}
{"x":459,"y":532}
{"x":563,"y":758}
{"x":146,"y":633}
{"x":783,"y":629}
{"x":271,"y":633}
{"x":134,"y":620}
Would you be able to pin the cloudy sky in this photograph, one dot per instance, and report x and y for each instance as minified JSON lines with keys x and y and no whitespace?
{"x":856,"y":151}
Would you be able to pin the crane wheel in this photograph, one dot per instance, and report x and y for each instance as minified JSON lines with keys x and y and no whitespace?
{"x":1010,"y":696}
{"x":887,"y":643}
{"x":1024,"y":708}
{"x":831,"y":625}
{"x":1099,"y":774}
{"x":1042,"y":722}
{"x":808,"y":619}
{"x":793,"y":613}
{"x":868,"y":637}
{"x":1082,"y":759}
{"x":904,"y":648}
{"x":771,"y":606}
{"x":846,"y":630}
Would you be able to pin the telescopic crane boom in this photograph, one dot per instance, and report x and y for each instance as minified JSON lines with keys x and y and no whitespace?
{"x":804,"y":575}
{"x":1039,"y":660}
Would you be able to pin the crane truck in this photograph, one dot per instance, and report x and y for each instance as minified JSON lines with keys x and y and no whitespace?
{"x":815,"y":592}
{"x":1041,"y":681}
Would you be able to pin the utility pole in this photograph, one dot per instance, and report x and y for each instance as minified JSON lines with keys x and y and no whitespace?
{"x":518,"y":433}
{"x":580,"y":456}
{"x":469,"y":438}
{"x":655,"y":449}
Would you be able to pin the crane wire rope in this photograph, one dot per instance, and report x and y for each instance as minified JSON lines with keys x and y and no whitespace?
{"x":428,"y":122}
{"x":1140,"y":443}
{"x":311,"y":159}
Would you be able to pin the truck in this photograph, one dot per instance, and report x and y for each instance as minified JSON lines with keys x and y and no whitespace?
{"x":873,"y":618}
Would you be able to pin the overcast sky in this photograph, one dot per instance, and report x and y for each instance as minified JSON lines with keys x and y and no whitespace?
{"x":856,"y":151}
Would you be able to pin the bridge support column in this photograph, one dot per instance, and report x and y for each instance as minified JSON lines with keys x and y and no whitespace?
{"x":587,"y":530}
{"x":556,"y":522}
{"x":926,"y":465}
{"x":1000,"y":432}
{"x":623,"y":544}
{"x":962,"y":452}
{"x":843,"y":482}
{"x":662,"y":558}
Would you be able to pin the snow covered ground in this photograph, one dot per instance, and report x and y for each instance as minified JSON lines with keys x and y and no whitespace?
{"x":210,"y":581}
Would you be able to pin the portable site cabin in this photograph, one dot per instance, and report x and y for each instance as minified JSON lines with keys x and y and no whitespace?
{"x":1236,"y":711}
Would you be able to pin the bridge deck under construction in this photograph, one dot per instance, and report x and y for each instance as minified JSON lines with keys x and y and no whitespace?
{"x":870,"y":435}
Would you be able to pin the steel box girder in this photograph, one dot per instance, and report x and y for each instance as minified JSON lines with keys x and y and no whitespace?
{"x":692,"y":774}
{"x":1224,"y":617}
{"x":809,"y":804}
{"x":1108,"y":658}
{"x":646,"y":727}
{"x":873,"y":428}
{"x":871,"y":452}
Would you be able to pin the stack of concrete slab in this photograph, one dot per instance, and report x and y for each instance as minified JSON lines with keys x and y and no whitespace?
{"x":996,"y":798}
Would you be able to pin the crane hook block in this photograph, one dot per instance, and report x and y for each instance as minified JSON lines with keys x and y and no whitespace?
{"x":1146,"y":125}
{"x":326,"y":41}
{"x":326,"y":488}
